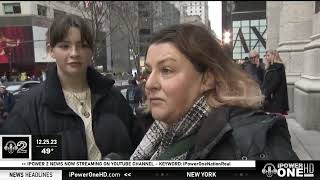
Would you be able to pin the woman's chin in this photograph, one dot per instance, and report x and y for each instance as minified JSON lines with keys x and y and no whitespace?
{"x":162,"y":117}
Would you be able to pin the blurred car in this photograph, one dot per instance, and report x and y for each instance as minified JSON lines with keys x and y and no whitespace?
{"x":20,"y":87}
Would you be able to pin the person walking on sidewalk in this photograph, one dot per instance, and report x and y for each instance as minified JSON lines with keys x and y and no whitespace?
{"x":76,"y":101}
{"x":134,"y":94}
{"x":205,"y":107}
{"x":274,"y":85}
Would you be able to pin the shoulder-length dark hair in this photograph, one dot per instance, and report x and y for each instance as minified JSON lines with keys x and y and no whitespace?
{"x":60,"y":27}
{"x":232,"y":86}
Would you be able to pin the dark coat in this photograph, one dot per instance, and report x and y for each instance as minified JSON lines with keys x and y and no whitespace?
{"x":256,"y":73}
{"x":275,"y":89}
{"x":9,"y":101}
{"x":231,"y":133}
{"x":44,"y":111}
{"x":136,"y":92}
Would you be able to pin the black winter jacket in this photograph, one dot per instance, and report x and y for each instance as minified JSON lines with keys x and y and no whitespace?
{"x":9,"y":101}
{"x":44,"y":111}
{"x":256,"y":73}
{"x":233,"y":133}
{"x":275,"y":89}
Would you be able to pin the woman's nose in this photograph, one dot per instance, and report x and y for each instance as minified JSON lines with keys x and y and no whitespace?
{"x":152,"y":81}
{"x":74,"y":51}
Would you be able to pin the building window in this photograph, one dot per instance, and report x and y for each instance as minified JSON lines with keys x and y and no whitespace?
{"x":12,"y":8}
{"x":317,"y":6}
{"x":236,"y":23}
{"x":263,"y":22}
{"x":57,"y":13}
{"x":245,"y":23}
{"x":250,"y":37}
{"x":42,"y":10}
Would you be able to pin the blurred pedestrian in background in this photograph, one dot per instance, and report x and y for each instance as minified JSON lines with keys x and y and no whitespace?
{"x":3,"y":113}
{"x":8,"y":99}
{"x":205,"y":106}
{"x":255,"y":68}
{"x":134,"y":94}
{"x":275,"y":84}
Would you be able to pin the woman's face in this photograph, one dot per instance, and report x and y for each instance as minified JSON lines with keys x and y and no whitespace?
{"x":72,"y":55}
{"x":269,"y":57}
{"x":173,"y":84}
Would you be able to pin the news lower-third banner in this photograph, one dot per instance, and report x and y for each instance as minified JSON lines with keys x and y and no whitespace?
{"x":26,"y":157}
{"x":98,"y":170}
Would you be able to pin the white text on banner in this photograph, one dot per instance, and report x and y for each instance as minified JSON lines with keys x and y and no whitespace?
{"x":127,"y":163}
{"x":31,"y":174}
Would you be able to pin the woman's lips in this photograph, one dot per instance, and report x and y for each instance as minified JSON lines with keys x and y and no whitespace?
{"x":155,"y":100}
{"x":75,"y":64}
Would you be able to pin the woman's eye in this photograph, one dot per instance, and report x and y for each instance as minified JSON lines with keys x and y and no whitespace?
{"x":166,"y":71}
{"x":64,"y":46}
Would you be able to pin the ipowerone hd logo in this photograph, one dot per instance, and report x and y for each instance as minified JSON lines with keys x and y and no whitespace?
{"x":289,"y":170}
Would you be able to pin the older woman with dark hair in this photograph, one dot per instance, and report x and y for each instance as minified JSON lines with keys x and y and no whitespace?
{"x":205,"y":106}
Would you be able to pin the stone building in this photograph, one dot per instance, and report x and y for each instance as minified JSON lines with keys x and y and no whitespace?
{"x":294,"y":30}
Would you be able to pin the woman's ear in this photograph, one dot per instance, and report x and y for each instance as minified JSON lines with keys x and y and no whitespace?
{"x":208,"y":81}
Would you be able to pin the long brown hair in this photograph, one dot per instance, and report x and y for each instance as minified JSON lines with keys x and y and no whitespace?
{"x":232,"y":86}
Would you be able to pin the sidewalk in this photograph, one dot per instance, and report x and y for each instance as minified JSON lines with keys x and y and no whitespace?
{"x":306,"y":143}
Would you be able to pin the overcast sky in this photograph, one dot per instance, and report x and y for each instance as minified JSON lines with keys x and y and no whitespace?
{"x":215,"y":17}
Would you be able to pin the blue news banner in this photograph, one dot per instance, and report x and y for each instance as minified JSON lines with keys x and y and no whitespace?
{"x":36,"y":157}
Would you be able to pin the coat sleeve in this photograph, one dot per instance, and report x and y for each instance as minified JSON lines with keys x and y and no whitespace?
{"x":271,"y":82}
{"x":17,"y":121}
{"x":134,"y":128}
{"x":23,"y":118}
{"x":279,"y":141}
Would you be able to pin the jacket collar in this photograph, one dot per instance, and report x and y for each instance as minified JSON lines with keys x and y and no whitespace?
{"x":221,"y":121}
{"x":54,"y":96}
{"x":212,"y":130}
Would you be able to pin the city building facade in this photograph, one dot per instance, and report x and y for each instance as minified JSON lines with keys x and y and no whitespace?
{"x":166,"y":14}
{"x":195,"y":8}
{"x":294,"y":30}
{"x":122,"y":26}
{"x":246,"y":23}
